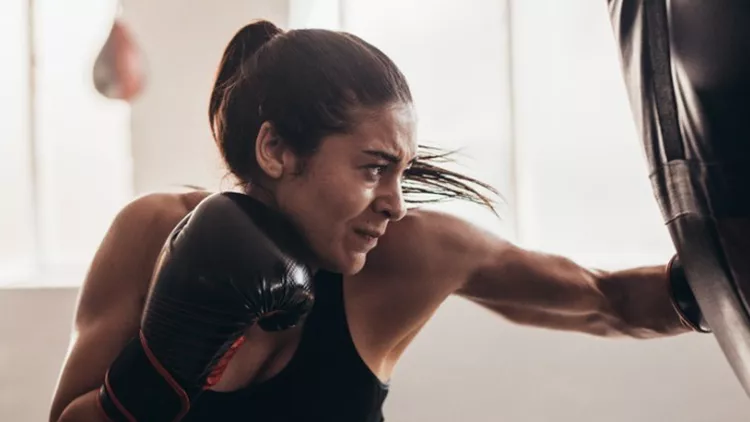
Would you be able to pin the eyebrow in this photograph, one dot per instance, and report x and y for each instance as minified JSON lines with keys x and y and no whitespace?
{"x":387,"y":156}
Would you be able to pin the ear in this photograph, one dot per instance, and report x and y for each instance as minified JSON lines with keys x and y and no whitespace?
{"x":269,"y":151}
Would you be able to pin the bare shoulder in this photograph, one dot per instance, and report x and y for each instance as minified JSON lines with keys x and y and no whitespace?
{"x":434,"y":245}
{"x":154,"y":211}
{"x":149,"y":217}
{"x":420,"y":261}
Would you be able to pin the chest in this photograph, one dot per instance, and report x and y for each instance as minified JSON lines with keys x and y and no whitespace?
{"x":316,"y":383}
{"x":343,"y":328}
{"x":261,"y":356}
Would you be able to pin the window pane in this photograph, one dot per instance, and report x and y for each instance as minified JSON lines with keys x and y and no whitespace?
{"x":16,"y":205}
{"x":83,"y":139}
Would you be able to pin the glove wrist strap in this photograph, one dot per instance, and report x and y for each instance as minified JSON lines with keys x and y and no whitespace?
{"x":683,"y":299}
{"x":138,"y":388}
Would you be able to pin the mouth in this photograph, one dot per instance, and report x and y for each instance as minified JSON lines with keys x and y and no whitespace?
{"x":369,"y":236}
{"x":374,"y":234}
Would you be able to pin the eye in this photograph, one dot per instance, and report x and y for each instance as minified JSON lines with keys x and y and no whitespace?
{"x":375,"y":171}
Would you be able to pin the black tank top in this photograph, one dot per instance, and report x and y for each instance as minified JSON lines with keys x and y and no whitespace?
{"x":326,"y":379}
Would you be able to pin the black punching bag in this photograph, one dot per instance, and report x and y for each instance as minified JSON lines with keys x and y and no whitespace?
{"x":687,"y":69}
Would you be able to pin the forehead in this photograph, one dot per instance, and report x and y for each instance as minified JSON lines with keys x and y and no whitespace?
{"x":390,"y":129}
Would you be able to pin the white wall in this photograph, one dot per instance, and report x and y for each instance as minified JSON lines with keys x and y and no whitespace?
{"x":466,"y":365}
{"x":34,"y":328}
{"x":183,"y":42}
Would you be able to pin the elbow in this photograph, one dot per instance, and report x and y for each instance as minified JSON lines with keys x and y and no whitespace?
{"x":68,"y":414}
{"x":60,"y":417}
{"x":61,"y":410}
{"x":82,"y":409}
{"x":56,"y":413}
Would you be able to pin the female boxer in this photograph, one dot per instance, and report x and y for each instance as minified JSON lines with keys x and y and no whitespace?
{"x":319,"y":128}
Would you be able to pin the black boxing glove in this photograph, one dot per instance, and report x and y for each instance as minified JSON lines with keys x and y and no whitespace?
{"x":230,"y":263}
{"x":683,"y":298}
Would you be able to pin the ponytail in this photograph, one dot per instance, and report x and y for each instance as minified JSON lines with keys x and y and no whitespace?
{"x":245,"y":43}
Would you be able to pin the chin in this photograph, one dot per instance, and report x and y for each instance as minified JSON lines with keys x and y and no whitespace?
{"x":351,"y":264}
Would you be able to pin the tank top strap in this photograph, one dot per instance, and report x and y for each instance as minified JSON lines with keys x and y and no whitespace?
{"x":329,"y":328}
{"x":328,"y":288}
{"x":329,"y":311}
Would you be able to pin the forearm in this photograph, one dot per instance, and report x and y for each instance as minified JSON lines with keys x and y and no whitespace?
{"x":84,"y":409}
{"x":552,"y":291}
{"x":639,"y":301}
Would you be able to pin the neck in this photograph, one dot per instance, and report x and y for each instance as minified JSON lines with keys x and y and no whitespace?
{"x":261,"y":194}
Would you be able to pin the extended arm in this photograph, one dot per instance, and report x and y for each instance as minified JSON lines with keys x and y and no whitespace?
{"x":436,"y":255}
{"x":551,"y":291}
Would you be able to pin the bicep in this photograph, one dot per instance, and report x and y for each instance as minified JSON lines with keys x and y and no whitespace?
{"x":112,"y":295}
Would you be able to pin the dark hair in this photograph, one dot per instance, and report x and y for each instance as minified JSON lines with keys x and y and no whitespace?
{"x":308,"y":83}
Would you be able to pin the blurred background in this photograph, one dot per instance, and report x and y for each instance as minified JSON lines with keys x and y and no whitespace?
{"x":530,"y":90}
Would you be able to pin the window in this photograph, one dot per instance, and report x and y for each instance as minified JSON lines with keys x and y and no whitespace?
{"x":583,"y":182}
{"x":16,"y":213}
{"x":64,"y":159}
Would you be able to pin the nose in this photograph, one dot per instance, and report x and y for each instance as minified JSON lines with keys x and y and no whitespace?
{"x":390,"y":202}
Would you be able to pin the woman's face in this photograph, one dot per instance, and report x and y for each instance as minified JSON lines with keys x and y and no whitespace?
{"x":350,"y":189}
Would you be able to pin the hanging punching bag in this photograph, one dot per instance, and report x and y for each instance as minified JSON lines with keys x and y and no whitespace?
{"x":687,"y":70}
{"x":119,"y":69}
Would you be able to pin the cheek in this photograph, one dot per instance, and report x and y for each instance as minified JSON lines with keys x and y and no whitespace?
{"x":326,"y":204}
{"x":343,"y":198}
{"x":336,"y":204}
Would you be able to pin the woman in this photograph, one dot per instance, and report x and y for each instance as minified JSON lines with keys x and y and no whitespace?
{"x":319,"y":126}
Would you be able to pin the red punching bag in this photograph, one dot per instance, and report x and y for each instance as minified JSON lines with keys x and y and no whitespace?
{"x":119,"y":69}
